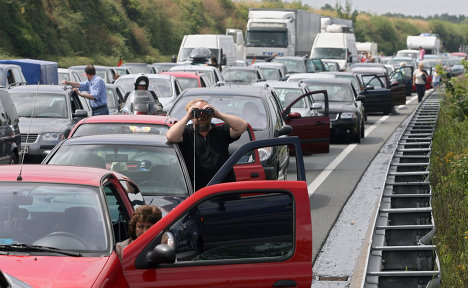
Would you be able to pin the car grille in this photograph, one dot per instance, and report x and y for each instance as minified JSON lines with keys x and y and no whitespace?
{"x":31,"y":138}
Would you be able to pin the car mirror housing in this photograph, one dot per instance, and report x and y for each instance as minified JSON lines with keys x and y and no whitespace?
{"x":361,"y":98}
{"x":162,"y":253}
{"x":80,"y":113}
{"x":317,"y":106}
{"x":285,"y":130}
{"x":294,"y":115}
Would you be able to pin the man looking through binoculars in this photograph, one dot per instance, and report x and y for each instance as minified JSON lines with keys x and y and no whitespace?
{"x":203,"y":144}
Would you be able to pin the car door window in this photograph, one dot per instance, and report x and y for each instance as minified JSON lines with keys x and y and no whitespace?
{"x":75,"y":102}
{"x":117,"y":213}
{"x":236,"y":226}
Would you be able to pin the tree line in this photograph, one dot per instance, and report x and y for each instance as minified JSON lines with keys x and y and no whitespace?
{"x":102,"y":31}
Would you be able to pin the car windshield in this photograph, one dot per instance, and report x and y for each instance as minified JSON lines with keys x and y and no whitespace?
{"x":236,"y":76}
{"x":293,"y":66}
{"x":336,"y":93}
{"x":209,"y":73}
{"x":185,"y":53}
{"x":155,"y":170}
{"x":271,"y":73}
{"x":62,"y":216}
{"x":186,"y":82}
{"x":288,"y":95}
{"x":162,"y":87}
{"x":250,"y":109}
{"x":86,"y":129}
{"x":329,"y":53}
{"x":267,"y":38}
{"x":43,"y":105}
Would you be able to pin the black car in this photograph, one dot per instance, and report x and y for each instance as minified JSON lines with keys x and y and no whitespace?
{"x":47,"y":113}
{"x":259,"y":106}
{"x":381,"y":94}
{"x":10,"y":137}
{"x":346,"y":110}
{"x":155,"y":165}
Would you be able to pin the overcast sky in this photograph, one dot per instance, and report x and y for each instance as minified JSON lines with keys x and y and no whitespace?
{"x":405,"y":7}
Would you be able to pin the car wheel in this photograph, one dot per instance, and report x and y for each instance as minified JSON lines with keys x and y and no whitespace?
{"x":363,"y":128}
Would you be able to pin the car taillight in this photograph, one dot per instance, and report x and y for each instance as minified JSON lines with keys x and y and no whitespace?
{"x":141,"y":113}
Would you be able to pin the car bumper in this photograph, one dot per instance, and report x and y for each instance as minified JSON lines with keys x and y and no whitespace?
{"x":37,"y":148}
{"x":344,"y":127}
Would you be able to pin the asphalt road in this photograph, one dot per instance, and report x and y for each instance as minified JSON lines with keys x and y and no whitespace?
{"x":332,"y":177}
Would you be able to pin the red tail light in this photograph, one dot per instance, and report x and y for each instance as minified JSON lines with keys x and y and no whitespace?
{"x":141,"y":113}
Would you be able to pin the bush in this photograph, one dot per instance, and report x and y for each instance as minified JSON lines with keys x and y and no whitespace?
{"x":449,"y":182}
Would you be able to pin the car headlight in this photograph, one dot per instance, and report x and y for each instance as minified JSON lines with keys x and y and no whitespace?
{"x":55,"y":136}
{"x":348,"y":115}
{"x":265,"y":153}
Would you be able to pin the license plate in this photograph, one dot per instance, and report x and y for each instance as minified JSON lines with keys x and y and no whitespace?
{"x":24,"y":149}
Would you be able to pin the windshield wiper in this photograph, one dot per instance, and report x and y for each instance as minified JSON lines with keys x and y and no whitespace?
{"x":27,"y":247}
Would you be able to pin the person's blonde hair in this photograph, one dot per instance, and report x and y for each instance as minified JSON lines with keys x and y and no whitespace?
{"x":189,"y":104}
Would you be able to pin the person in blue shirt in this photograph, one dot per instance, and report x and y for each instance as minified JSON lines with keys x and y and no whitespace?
{"x":96,"y":88}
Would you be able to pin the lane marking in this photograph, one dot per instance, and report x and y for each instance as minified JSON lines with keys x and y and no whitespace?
{"x":325,"y":173}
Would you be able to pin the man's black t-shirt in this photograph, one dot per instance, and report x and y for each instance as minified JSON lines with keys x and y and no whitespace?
{"x":210,"y":153}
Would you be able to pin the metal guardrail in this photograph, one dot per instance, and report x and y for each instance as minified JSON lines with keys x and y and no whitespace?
{"x":401,"y":254}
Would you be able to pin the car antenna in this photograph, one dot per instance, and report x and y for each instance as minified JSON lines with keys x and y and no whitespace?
{"x":19,"y":178}
{"x":195,"y":129}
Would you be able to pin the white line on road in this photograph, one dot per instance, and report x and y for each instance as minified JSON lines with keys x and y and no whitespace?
{"x":322,"y":176}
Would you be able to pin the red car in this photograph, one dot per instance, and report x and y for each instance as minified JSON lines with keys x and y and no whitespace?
{"x":62,"y":223}
{"x":152,"y":124}
{"x":190,"y":79}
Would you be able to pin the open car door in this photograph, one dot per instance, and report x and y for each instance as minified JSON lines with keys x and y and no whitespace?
{"x":313,"y":130}
{"x":239,"y":234}
{"x":378,"y":97}
{"x":398,"y":87}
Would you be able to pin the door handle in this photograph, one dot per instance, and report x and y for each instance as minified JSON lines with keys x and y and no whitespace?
{"x":285,"y":283}
{"x":254,"y":175}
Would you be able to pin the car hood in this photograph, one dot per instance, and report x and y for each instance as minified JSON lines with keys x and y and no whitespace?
{"x":336,"y":107}
{"x":39,"y":125}
{"x":54,"y":271}
{"x":165,"y":203}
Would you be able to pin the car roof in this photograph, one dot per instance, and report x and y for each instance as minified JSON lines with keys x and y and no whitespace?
{"x":149,"y":75}
{"x":282,"y":84}
{"x":53,"y":173}
{"x":120,"y":139}
{"x":59,"y":89}
{"x":370,"y":70}
{"x":183,"y":74}
{"x":130,"y":118}
{"x":334,"y":81}
{"x":192,"y":67}
{"x":246,"y":90}
{"x":241,"y":68}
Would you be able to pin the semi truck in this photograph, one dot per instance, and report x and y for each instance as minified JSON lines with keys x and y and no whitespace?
{"x":280,"y":32}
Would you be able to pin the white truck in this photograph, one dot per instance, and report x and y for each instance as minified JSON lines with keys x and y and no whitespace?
{"x":335,"y":46}
{"x":238,"y":37}
{"x":280,"y":32}
{"x":430,"y":43}
{"x":369,"y":47}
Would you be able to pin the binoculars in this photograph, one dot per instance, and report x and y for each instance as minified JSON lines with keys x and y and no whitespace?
{"x":197,"y":112}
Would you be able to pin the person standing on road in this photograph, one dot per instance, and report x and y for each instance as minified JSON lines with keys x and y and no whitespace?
{"x":210,"y":142}
{"x":96,"y":88}
{"x":421,"y":54}
{"x":419,"y":79}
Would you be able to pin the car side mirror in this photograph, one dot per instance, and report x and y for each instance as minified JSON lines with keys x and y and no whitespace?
{"x":316,"y":106}
{"x":80,"y":113}
{"x":162,"y":253}
{"x":361,"y":98}
{"x":285,"y":130}
{"x":369,"y":87}
{"x":294,"y":115}
{"x":394,"y":83}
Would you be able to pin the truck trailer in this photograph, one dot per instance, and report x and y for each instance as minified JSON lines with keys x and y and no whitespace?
{"x":430,"y":43}
{"x":36,"y":71}
{"x":280,"y":32}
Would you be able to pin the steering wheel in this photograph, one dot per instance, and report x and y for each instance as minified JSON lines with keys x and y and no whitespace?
{"x":59,"y":240}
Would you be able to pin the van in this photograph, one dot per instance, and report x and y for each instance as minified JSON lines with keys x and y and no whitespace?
{"x":218,"y":44}
{"x":11,"y":75}
{"x":335,"y":47}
